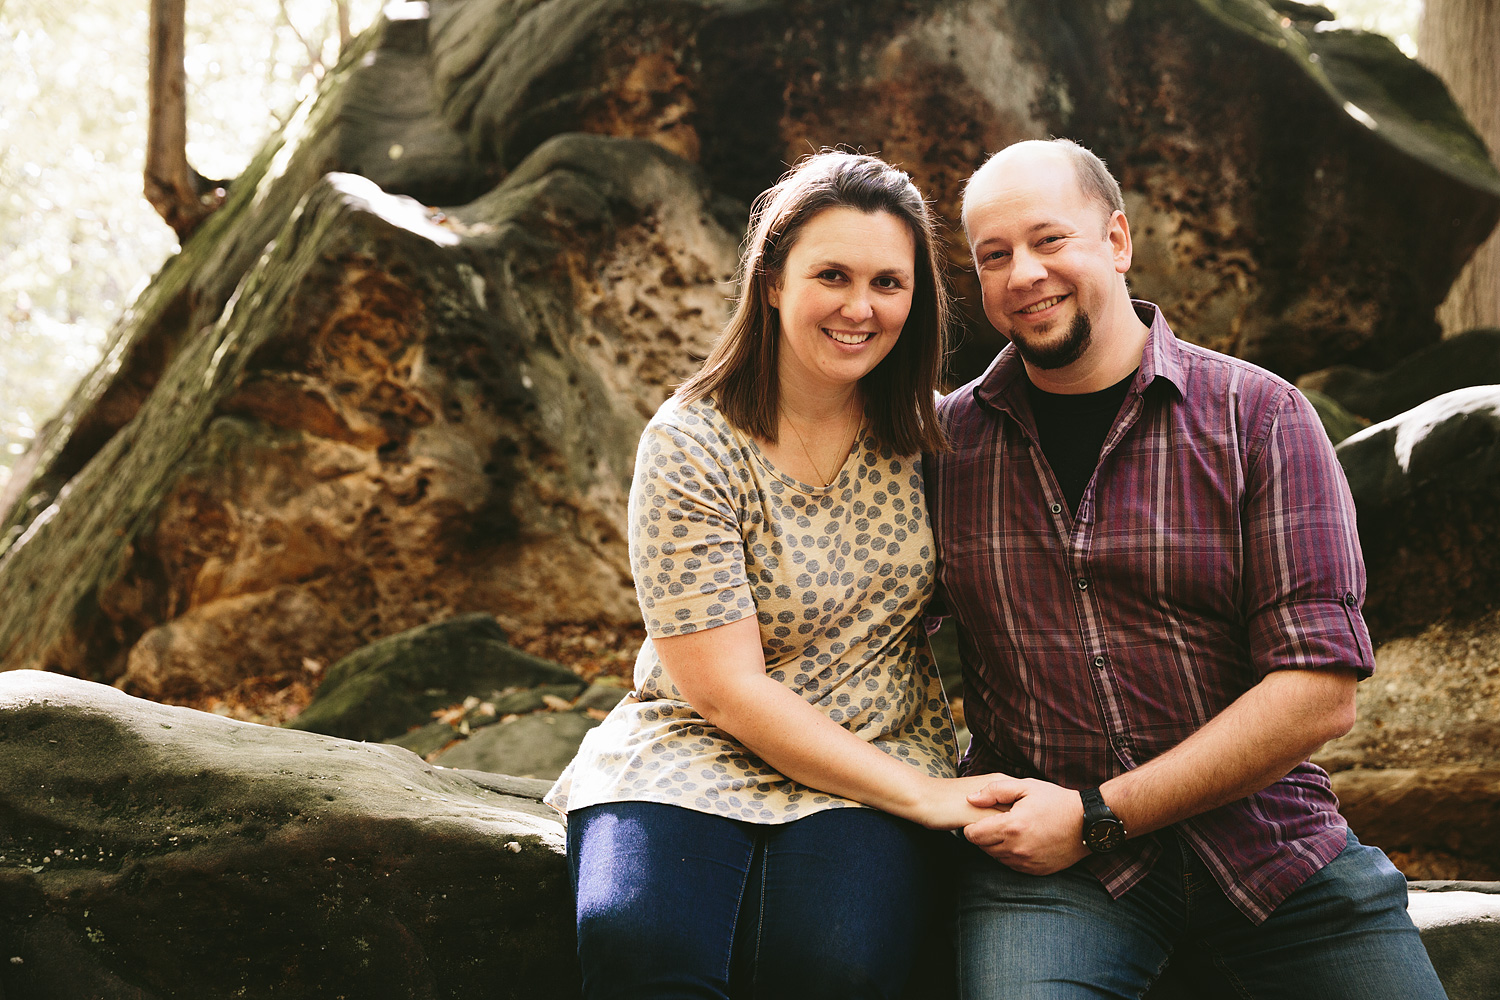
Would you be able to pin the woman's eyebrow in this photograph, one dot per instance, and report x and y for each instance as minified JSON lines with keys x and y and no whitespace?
{"x":835,"y":265}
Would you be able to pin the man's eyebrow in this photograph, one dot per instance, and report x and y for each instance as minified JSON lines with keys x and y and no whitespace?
{"x":1034,"y":228}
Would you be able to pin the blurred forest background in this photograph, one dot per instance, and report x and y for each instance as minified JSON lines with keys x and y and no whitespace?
{"x":78,"y":240}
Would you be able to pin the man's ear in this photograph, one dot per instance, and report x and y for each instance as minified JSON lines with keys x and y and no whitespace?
{"x":1117,"y":231}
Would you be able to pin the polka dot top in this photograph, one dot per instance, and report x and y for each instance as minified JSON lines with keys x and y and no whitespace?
{"x":837,"y":577}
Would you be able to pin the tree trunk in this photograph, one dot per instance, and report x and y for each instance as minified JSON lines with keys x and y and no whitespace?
{"x":1458,"y":39}
{"x":180,"y":195}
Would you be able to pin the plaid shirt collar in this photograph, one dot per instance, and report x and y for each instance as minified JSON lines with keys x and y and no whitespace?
{"x":1003,"y":385}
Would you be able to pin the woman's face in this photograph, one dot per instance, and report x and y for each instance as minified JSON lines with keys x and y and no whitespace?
{"x":843,"y":297}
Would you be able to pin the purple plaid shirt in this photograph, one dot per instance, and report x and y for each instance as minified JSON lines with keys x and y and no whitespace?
{"x":1214,"y":544}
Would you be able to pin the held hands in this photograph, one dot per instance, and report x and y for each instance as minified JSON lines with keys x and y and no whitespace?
{"x":948,"y":802}
{"x":1040,"y":831}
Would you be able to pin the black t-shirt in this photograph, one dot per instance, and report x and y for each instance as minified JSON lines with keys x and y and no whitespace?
{"x":1072,"y":429}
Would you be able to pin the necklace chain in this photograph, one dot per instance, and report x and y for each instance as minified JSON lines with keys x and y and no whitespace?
{"x":824,"y":480}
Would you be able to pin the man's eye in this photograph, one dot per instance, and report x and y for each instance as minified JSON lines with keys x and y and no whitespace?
{"x":1051,"y":239}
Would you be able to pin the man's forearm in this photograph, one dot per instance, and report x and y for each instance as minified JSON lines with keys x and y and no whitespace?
{"x":1257,"y":740}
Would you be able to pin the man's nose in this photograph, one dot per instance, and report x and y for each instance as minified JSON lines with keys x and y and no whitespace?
{"x":1026,"y":269}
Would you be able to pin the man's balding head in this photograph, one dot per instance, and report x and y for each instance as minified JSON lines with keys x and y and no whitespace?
{"x":1093,"y":177}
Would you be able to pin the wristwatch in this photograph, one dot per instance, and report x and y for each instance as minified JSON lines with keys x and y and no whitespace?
{"x":1102,"y":829}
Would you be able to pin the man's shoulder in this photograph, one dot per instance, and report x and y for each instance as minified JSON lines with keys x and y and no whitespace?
{"x":1214,"y":378}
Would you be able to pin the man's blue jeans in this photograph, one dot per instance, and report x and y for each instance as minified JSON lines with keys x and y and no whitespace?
{"x":674,"y":903}
{"x":1343,"y":934}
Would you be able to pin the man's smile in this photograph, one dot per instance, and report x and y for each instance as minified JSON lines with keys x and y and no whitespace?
{"x":1037,"y":307}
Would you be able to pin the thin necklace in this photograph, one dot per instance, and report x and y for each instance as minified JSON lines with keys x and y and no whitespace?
{"x":827,"y":481}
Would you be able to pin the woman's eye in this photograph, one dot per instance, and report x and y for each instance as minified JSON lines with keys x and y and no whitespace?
{"x":887,"y":282}
{"x":831,"y":275}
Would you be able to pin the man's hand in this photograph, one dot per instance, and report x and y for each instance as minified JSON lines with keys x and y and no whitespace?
{"x":1041,"y":833}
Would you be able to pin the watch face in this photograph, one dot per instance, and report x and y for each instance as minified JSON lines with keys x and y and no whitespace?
{"x":1104,"y":835}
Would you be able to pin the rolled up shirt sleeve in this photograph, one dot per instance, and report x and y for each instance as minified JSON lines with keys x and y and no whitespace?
{"x":1304,"y":574}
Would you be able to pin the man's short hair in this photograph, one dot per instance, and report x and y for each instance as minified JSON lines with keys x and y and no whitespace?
{"x":1094,"y":178}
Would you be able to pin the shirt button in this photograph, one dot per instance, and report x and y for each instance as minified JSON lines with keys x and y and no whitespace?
{"x":1057,"y":508}
{"x":1083,"y":585}
{"x":1350,"y":600}
{"x":1099,"y":662}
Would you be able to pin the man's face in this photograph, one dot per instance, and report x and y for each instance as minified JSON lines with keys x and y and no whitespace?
{"x":1049,"y":258}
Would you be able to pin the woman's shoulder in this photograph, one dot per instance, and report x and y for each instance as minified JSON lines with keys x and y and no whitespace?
{"x":698,"y":430}
{"x":695,"y":417}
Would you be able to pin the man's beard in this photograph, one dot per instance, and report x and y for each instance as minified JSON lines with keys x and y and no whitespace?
{"x":1061,"y":353}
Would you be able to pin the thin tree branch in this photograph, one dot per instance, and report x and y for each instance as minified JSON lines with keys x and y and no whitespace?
{"x":314,"y":56}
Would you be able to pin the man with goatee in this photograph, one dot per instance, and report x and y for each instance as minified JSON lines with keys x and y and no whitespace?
{"x":1149,"y":550}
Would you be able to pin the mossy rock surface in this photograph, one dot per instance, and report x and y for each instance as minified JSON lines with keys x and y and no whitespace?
{"x":1467,"y":359}
{"x":395,"y":684}
{"x":150,"y":852}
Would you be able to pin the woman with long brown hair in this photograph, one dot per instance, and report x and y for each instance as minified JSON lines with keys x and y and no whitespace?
{"x":782,"y":557}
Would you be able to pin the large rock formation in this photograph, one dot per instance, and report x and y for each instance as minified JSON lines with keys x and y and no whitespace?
{"x":1427,"y":485}
{"x":339,"y":413}
{"x":150,"y":852}
{"x":400,"y":415}
{"x":1420,"y":772}
{"x":1468,"y":359}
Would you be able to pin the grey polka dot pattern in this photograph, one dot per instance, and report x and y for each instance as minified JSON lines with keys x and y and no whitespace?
{"x":837,"y":577}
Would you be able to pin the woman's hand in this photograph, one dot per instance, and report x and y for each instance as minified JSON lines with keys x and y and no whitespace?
{"x":944,"y":804}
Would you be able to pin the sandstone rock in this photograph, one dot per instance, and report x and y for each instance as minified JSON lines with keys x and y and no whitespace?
{"x":1461,"y":929}
{"x":1432,"y":814}
{"x":1470,"y":358}
{"x":1427,"y":485}
{"x":743,"y":89}
{"x":337,"y":414}
{"x":394,"y":684}
{"x":533,"y":746}
{"x":379,"y":97}
{"x":149,"y":852}
{"x":402,"y":415}
{"x":152,"y":852}
{"x":1434,"y":702}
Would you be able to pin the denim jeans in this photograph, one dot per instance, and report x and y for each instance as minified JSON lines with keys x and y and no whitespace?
{"x":674,"y":903}
{"x":1344,"y":933}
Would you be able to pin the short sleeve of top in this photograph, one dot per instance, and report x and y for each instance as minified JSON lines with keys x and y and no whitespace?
{"x":837,"y":578}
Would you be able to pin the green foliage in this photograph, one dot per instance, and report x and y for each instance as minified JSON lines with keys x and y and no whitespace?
{"x":77,"y":238}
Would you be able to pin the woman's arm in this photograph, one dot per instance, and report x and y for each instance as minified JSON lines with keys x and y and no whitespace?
{"x":722,"y":674}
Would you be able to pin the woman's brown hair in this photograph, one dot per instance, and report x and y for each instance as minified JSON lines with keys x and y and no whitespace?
{"x":740,"y":372}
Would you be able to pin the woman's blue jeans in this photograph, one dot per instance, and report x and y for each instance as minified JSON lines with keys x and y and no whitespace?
{"x":674,"y":903}
{"x":1342,"y":935}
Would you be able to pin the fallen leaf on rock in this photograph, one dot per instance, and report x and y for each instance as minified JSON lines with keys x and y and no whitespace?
{"x":555,"y":703}
{"x":597,"y":714}
{"x":452,"y":715}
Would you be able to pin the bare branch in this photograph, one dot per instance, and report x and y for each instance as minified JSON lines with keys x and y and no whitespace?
{"x":314,"y":56}
{"x":345,"y":34}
